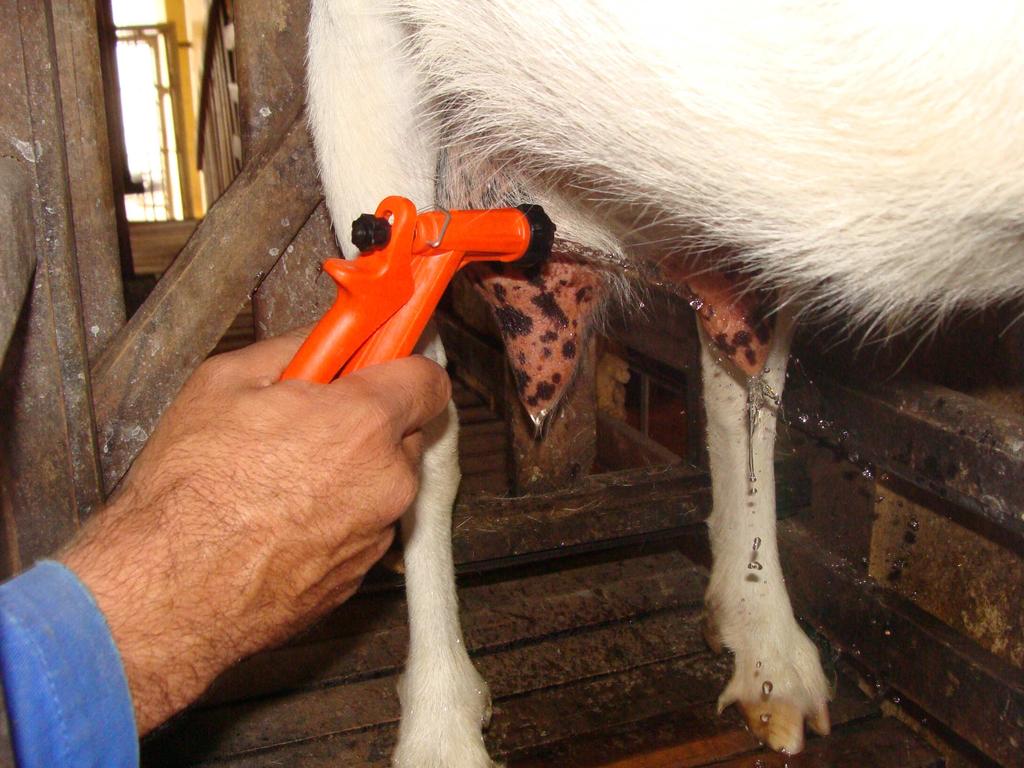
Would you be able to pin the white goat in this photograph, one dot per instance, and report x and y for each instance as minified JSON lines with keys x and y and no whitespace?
{"x":867,"y":159}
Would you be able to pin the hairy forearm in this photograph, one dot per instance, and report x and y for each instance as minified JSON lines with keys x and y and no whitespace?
{"x":231,"y":531}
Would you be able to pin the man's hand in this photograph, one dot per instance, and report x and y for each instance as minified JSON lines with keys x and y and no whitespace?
{"x":256,"y":507}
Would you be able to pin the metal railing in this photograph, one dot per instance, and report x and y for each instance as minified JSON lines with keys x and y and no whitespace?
{"x":220,"y":140}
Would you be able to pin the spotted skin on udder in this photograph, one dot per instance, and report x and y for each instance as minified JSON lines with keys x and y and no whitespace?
{"x":734,"y":317}
{"x":544,"y":316}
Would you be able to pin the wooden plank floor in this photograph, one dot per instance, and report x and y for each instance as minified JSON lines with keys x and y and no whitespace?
{"x":594,"y":659}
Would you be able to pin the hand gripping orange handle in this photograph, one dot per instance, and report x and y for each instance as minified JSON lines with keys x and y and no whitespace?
{"x":377,"y":316}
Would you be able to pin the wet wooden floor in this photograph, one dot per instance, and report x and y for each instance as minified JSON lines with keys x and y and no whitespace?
{"x":594,"y":659}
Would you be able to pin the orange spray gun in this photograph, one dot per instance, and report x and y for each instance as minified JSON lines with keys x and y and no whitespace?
{"x":387,"y":295}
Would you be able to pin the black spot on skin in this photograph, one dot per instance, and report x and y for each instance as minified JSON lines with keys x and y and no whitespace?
{"x":584,"y":294}
{"x":753,"y":577}
{"x":722,"y":342}
{"x":534,"y":275}
{"x":910,"y":537}
{"x":751,"y":357}
{"x":563,"y":283}
{"x":549,"y":337}
{"x":545,"y":302}
{"x":742,"y":339}
{"x":512,"y":322}
{"x":569,"y":350}
{"x":557,"y":378}
{"x":499,"y":292}
{"x":522,"y":380}
{"x":545,"y":391}
{"x":531,"y":401}
{"x":545,"y":352}
{"x":522,"y":358}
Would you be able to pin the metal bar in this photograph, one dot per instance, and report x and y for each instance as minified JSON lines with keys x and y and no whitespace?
{"x":240,"y":239}
{"x":943,"y":441}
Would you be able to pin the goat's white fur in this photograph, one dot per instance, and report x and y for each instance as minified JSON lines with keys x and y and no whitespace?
{"x":746,"y":598}
{"x":444,"y":700}
{"x":866,"y":156}
{"x":371,"y":142}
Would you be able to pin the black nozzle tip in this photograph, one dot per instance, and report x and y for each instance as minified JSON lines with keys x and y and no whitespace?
{"x":370,"y":232}
{"x":542,"y":237}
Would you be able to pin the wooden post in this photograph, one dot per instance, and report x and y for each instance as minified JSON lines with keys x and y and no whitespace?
{"x":89,"y":171}
{"x":241,"y":239}
{"x":271,"y":58}
{"x":17,"y":255}
{"x":50,"y":466}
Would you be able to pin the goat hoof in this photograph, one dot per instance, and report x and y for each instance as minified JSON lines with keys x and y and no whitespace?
{"x":777,"y":693}
{"x":780,"y":723}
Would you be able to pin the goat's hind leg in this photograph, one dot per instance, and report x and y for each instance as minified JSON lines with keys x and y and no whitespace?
{"x":777,"y":680}
{"x":445,"y":702}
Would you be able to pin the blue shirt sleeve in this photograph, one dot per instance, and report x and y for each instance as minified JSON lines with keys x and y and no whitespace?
{"x":67,"y":696}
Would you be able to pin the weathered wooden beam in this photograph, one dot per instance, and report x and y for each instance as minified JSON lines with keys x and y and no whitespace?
{"x":107,"y":40}
{"x":89,"y":170}
{"x":239,"y":241}
{"x":271,"y":63}
{"x":495,"y":615}
{"x":945,"y":442}
{"x":601,"y":511}
{"x":588,"y":666}
{"x":296,"y":291}
{"x":977,"y":695}
{"x":52,"y":466}
{"x":17,"y":249}
{"x":675,"y":344}
{"x":270,"y":56}
{"x":538,"y":661}
{"x":50,"y":469}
